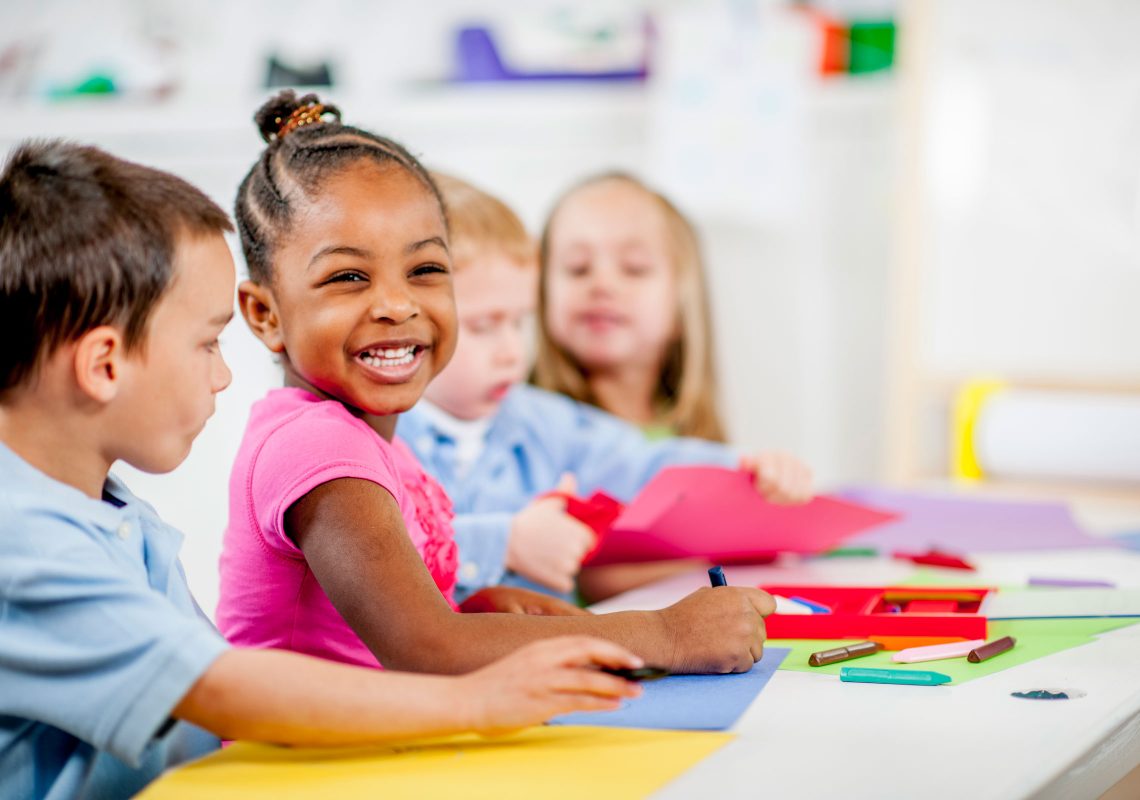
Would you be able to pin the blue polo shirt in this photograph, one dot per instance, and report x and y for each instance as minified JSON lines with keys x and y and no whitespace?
{"x":534,"y":437}
{"x":99,"y":640}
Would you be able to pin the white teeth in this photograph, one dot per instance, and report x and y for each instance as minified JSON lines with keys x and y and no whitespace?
{"x":390,"y":357}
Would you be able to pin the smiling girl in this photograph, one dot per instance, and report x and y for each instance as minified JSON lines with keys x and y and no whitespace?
{"x":332,"y":520}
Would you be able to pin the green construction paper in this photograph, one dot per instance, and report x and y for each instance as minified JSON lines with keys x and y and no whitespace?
{"x":1036,"y":638}
{"x":850,"y":552}
{"x":925,"y":576}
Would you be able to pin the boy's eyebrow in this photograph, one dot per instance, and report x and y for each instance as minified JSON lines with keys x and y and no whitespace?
{"x":222,"y":319}
{"x":633,"y":244}
{"x":425,"y":243}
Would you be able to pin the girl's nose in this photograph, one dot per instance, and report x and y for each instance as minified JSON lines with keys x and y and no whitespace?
{"x":600,"y":280}
{"x":394,"y":305}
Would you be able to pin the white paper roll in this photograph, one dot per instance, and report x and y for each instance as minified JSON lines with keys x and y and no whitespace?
{"x":1022,"y":433}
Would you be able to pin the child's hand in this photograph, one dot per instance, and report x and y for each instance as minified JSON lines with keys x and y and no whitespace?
{"x":718,"y":629}
{"x":516,"y":600}
{"x":544,"y":679}
{"x":547,"y":545}
{"x":780,"y":477}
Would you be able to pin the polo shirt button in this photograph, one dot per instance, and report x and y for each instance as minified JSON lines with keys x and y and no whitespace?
{"x":124,"y":531}
{"x":425,"y":443}
{"x":469,"y":571}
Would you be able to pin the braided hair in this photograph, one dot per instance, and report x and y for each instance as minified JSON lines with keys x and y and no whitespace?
{"x":306,"y":142}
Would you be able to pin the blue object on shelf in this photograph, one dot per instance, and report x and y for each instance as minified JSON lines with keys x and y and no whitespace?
{"x":477,"y":59}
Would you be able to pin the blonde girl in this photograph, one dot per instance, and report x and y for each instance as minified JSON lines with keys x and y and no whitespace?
{"x":624,"y":319}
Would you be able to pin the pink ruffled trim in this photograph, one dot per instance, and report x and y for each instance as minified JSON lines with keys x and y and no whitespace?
{"x":434,"y":514}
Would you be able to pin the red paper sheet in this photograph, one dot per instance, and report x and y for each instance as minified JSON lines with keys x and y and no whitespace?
{"x":716,"y":513}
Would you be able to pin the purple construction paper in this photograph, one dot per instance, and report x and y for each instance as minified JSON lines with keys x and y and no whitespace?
{"x":1071,"y":583}
{"x":968,"y":525}
{"x":688,"y":702}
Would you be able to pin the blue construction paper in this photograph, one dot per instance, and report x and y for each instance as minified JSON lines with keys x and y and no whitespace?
{"x":688,"y":702}
{"x":1130,"y":540}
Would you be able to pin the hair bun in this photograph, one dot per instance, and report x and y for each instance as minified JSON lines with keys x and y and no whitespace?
{"x":285,"y":112}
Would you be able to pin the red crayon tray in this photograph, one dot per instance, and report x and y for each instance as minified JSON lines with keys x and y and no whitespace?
{"x":862,"y":611}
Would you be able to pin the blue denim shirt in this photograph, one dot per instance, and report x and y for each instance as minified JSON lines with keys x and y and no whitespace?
{"x":534,"y":438}
{"x":99,"y":640}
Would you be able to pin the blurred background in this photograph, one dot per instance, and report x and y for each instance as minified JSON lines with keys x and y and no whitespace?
{"x":921,"y":218}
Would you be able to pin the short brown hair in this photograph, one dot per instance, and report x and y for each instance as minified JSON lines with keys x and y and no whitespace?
{"x":86,"y":239}
{"x":480,"y":222}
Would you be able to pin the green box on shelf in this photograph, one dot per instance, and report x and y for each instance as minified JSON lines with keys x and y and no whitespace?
{"x":872,"y":46}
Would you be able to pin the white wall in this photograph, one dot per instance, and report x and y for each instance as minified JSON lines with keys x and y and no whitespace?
{"x":798,"y":288}
{"x":1019,"y":230}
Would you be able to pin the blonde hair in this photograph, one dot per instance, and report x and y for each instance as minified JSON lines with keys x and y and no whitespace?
{"x":479,"y":222}
{"x":687,"y":385}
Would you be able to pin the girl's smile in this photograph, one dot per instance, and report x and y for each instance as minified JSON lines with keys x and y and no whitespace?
{"x":393,"y":361}
{"x":601,"y":320}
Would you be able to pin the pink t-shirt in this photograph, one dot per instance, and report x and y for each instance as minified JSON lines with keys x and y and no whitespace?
{"x":293,"y":443}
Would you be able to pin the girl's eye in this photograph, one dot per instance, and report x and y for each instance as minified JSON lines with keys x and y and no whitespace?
{"x":345,"y":277}
{"x":429,"y":269}
{"x":577,"y":270}
{"x":635,"y":269}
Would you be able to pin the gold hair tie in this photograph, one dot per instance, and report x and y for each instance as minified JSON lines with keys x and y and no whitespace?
{"x":305,"y":115}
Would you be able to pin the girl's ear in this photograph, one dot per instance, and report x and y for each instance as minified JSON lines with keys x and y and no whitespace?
{"x":97,"y":359}
{"x":259,"y":308}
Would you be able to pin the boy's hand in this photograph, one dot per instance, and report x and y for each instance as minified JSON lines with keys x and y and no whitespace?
{"x":718,"y":629}
{"x":780,"y":477}
{"x":544,"y":679}
{"x":547,"y":545}
{"x":516,"y":600}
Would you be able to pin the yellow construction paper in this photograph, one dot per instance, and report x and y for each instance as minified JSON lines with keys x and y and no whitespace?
{"x":573,"y":762}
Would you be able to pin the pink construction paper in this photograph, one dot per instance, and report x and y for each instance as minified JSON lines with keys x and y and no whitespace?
{"x":716,"y":513}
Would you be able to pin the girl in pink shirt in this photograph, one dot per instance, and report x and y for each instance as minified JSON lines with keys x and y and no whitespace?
{"x":338,"y":543}
{"x":270,"y":596}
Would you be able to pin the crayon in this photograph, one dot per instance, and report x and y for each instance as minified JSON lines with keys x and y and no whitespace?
{"x":911,"y":677}
{"x":936,"y":652}
{"x":991,"y":649}
{"x":824,"y":657}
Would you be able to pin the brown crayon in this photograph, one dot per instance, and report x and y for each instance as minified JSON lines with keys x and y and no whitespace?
{"x":859,"y":650}
{"x":991,"y":649}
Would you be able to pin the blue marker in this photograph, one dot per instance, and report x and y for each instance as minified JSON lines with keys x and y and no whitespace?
{"x":816,"y":608}
{"x":716,"y":576}
{"x":911,"y":677}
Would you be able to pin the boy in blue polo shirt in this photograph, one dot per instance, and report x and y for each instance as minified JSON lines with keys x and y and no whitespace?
{"x":115,"y":281}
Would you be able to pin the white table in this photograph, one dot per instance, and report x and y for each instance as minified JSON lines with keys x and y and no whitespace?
{"x":811,"y":736}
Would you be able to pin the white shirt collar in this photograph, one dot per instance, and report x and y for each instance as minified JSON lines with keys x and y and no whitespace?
{"x":469,"y":435}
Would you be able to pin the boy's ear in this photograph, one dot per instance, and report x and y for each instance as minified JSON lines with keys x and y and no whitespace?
{"x":98,"y":363}
{"x":260,"y":311}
